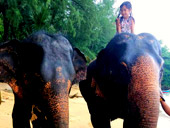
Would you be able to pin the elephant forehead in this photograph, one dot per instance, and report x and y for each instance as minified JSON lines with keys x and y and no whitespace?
{"x":149,"y":40}
{"x":140,"y":37}
{"x":125,"y":39}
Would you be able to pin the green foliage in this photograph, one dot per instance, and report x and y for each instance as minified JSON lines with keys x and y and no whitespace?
{"x":1,"y":29}
{"x":88,"y":25}
{"x":40,"y":16}
{"x":11,"y":16}
{"x":96,"y":28}
{"x":166,"y":73}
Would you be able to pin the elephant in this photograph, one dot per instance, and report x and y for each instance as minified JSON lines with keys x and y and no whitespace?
{"x":124,"y":82}
{"x":41,"y":70}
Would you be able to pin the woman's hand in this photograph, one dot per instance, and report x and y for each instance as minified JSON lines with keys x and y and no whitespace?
{"x":118,"y":27}
{"x":117,"y":22}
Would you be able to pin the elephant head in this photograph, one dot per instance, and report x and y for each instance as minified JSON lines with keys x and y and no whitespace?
{"x":40,"y":70}
{"x":126,"y":78}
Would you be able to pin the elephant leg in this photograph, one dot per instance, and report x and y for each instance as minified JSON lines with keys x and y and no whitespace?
{"x":21,"y":114}
{"x":40,"y":123}
{"x":39,"y":119}
{"x":96,"y":105}
{"x":129,"y":122}
{"x":99,"y":114}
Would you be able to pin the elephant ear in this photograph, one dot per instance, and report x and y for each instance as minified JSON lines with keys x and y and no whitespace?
{"x":9,"y":49}
{"x":79,"y":62}
{"x":8,"y":59}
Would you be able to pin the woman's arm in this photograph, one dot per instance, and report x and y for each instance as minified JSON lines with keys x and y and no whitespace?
{"x":118,"y":27}
{"x":165,"y":106}
{"x":133,"y":26}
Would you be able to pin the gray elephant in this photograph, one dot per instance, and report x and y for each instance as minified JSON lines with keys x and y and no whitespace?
{"x":40,"y":70}
{"x":124,"y":82}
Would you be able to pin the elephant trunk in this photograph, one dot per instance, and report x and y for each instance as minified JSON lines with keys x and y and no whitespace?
{"x":58,"y":105}
{"x":143,"y":94}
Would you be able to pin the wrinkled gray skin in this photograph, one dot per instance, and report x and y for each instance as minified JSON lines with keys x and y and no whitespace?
{"x":40,"y":70}
{"x":124,"y":82}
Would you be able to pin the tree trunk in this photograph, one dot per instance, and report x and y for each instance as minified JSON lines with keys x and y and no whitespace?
{"x":5,"y":20}
{"x":6,"y":29}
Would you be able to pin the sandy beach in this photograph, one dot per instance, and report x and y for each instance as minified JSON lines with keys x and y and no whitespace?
{"x":79,"y":115}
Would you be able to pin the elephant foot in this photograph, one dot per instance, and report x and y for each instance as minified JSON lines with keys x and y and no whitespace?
{"x":21,"y":117}
{"x":100,"y":121}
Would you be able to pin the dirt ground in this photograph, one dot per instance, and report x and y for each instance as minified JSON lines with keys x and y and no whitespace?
{"x":79,"y":115}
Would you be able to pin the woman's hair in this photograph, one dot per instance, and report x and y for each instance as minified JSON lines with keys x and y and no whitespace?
{"x":127,"y":4}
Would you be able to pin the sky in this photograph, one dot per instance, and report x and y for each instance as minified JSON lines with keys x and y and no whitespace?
{"x":151,"y":16}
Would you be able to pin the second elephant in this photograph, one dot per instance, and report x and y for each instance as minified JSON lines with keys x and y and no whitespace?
{"x":124,"y":82}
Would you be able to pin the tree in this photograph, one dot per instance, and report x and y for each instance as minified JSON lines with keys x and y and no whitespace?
{"x":166,"y":73}
{"x":22,"y":17}
{"x":96,"y":28}
{"x":3,"y":8}
{"x":1,"y":28}
{"x":88,"y":25}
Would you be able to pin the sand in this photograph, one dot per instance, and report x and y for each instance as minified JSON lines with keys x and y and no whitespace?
{"x":78,"y":111}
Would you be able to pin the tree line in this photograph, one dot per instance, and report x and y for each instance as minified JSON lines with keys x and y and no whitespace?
{"x":166,"y":73}
{"x":89,"y":25}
